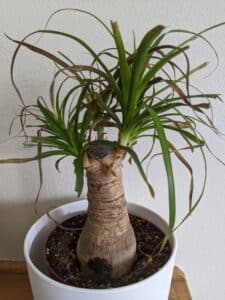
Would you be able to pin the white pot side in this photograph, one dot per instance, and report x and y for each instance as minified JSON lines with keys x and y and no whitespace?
{"x":155,"y":287}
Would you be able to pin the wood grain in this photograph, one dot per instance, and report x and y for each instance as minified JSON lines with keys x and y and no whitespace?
{"x":15,"y":287}
{"x":17,"y":267}
{"x":14,"y":283}
{"x":179,"y":289}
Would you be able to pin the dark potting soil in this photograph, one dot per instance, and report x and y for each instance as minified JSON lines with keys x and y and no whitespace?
{"x":61,"y":254}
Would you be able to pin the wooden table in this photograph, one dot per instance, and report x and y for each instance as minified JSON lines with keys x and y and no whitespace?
{"x":14,"y":283}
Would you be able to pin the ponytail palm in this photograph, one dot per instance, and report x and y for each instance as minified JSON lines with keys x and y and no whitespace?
{"x":143,"y":94}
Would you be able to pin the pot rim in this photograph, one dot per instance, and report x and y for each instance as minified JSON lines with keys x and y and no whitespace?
{"x":53,"y":282}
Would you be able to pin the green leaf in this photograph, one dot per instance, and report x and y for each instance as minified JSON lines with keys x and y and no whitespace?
{"x":186,"y":133}
{"x":66,"y":99}
{"x":141,"y":59}
{"x":50,"y":141}
{"x":124,"y":67}
{"x":110,"y":111}
{"x":158,"y":66}
{"x":168,"y":166}
{"x":50,"y":120}
{"x":79,"y":172}
{"x":74,"y":119}
{"x":85,"y":124}
{"x":55,"y":125}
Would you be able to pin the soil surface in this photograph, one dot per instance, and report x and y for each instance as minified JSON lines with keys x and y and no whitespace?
{"x":61,"y":254}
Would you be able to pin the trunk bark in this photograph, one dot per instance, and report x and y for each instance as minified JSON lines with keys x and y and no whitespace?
{"x":107,"y":245}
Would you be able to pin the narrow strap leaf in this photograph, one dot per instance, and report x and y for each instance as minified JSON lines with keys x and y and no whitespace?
{"x":139,"y":65}
{"x":189,"y":168}
{"x":79,"y":172}
{"x":81,"y":11}
{"x":40,"y":171}
{"x":124,"y":67}
{"x":28,"y":159}
{"x":168,"y":166}
{"x":201,"y":193}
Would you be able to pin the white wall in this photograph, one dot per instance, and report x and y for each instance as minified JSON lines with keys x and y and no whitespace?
{"x":201,"y":239}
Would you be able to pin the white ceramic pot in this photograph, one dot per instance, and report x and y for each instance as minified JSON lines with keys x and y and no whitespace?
{"x":155,"y":287}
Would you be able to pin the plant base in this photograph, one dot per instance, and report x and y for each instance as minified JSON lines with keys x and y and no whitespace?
{"x":155,"y":287}
{"x":64,"y":266}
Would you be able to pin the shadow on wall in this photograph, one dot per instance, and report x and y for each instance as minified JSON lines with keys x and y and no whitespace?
{"x":15,"y":220}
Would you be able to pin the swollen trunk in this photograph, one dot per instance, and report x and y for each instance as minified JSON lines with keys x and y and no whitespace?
{"x":107,"y":245}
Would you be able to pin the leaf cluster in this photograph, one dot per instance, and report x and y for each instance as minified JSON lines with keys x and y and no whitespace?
{"x":145,"y":93}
